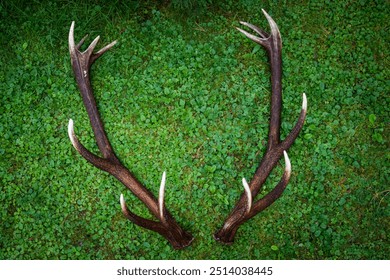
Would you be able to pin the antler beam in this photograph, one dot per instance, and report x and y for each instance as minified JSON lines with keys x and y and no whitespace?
{"x":245,"y":207}
{"x":165,"y":224}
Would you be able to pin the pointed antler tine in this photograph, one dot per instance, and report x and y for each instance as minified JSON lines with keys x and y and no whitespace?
{"x":274,"y":194}
{"x":102,"y":51}
{"x":304,"y":102}
{"x":272,"y":24}
{"x":258,"y":30}
{"x":81,"y":42}
{"x":146,"y":223}
{"x":106,"y":48}
{"x":94,"y":159}
{"x":250,"y":36}
{"x":72,"y":45}
{"x":161,"y":197}
{"x":71,"y":38}
{"x":92,"y":46}
{"x":264,"y":36}
{"x":123,"y":203}
{"x":287,"y":170}
{"x":248,"y":195}
{"x":71,"y":134}
{"x":288,"y":141}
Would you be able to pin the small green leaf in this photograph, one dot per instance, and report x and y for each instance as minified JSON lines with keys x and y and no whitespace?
{"x":378,"y":137}
{"x":274,"y":248}
{"x":372,"y":118}
{"x":308,"y":136}
{"x":342,"y":201}
{"x":256,"y":49}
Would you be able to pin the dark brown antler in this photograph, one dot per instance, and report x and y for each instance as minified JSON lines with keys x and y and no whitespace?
{"x":245,"y":208}
{"x":166,"y":224}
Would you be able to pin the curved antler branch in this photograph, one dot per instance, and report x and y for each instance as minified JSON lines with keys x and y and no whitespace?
{"x":166,"y":224}
{"x":273,"y":195}
{"x":152,"y":225}
{"x":245,"y":208}
{"x":92,"y":158}
{"x":298,"y":126}
{"x":142,"y":222}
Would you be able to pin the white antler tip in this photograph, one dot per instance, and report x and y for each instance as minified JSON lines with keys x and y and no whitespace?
{"x":269,"y":18}
{"x":94,"y":42}
{"x":161,"y":196}
{"x":163,"y":179}
{"x":288,"y":163}
{"x":71,"y":132}
{"x":304,"y":102}
{"x":272,"y":23}
{"x":162,"y":185}
{"x":245,"y":183}
{"x":70,"y":124}
{"x":248,"y":194}
{"x":71,"y":37}
{"x":122,"y":201}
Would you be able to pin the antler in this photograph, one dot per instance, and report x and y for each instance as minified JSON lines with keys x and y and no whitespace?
{"x":245,"y":208}
{"x":166,"y":224}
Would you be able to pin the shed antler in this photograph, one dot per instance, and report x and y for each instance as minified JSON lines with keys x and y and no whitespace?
{"x":166,"y":224}
{"x":245,"y":208}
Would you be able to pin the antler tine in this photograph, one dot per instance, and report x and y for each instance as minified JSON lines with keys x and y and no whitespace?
{"x":104,"y":49}
{"x":248,"y":195}
{"x":78,"y":46}
{"x":80,"y":147}
{"x":267,"y":200}
{"x":135,"y":218}
{"x":304,"y":102}
{"x":101,"y":51}
{"x":161,"y":205}
{"x":139,"y":221}
{"x":97,"y":161}
{"x":258,"y":30}
{"x":92,"y":46}
{"x":264,"y":36}
{"x":71,"y":37}
{"x":245,"y":208}
{"x":254,"y":38}
{"x":167,"y":225}
{"x":287,"y":170}
{"x":274,"y":27}
{"x":277,"y":191}
{"x":286,"y":143}
{"x":72,"y":135}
